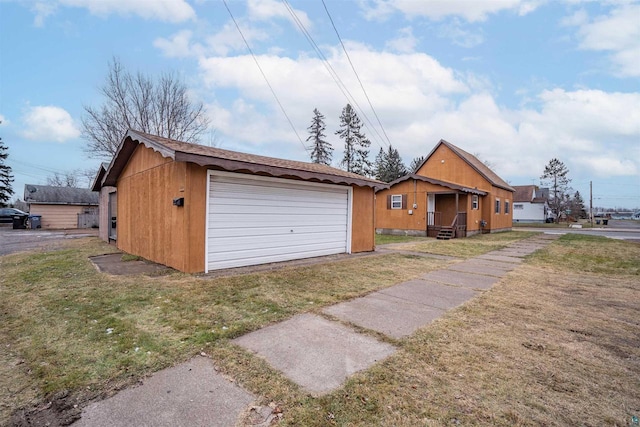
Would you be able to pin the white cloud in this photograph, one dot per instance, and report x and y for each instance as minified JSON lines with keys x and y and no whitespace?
{"x":456,"y":32}
{"x":617,"y":33}
{"x":42,"y":10}
{"x":49,"y":123}
{"x":179,"y":45}
{"x":228,"y":39}
{"x":265,"y":10}
{"x":3,"y":120}
{"x":406,"y":42}
{"x":162,"y":10}
{"x":471,"y":10}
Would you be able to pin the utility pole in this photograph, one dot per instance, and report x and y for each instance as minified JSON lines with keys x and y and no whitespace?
{"x":591,"y":202}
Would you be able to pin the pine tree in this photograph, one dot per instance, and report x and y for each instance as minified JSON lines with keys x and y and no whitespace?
{"x":356,"y":144}
{"x":415,"y":163}
{"x":577,"y":206}
{"x":389,"y":166}
{"x":6,"y":177}
{"x":321,"y":150}
{"x":555,"y":176}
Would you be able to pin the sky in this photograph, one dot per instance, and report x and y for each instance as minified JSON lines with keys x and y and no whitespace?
{"x":515,"y":82}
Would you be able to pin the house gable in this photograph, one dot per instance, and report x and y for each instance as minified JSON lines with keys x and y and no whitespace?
{"x":446,"y":165}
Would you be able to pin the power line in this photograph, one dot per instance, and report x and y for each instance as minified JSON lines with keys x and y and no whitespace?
{"x":355,"y":72}
{"x":332,"y":72}
{"x":273,"y":92}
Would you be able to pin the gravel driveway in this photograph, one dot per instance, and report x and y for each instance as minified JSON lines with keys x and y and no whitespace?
{"x":12,"y":241}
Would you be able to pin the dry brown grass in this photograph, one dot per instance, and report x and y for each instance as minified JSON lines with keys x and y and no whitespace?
{"x":549,"y":345}
{"x":67,"y":327}
{"x":556,"y":342}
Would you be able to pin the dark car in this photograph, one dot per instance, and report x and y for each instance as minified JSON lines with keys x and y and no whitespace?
{"x":7,"y":215}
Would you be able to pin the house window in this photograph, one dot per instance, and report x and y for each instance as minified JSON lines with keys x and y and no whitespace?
{"x":506,"y":206}
{"x":518,"y":206}
{"x":497,"y":206}
{"x":396,"y":201}
{"x":474,"y":202}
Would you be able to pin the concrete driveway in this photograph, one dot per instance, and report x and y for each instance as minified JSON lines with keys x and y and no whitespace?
{"x":12,"y":241}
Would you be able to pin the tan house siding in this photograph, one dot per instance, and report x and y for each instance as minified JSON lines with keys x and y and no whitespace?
{"x":149,"y":225}
{"x":103,"y":212}
{"x":363,"y":220}
{"x":446,"y":165}
{"x":57,"y":216}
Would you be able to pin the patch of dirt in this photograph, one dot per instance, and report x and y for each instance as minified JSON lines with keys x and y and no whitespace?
{"x":61,"y":410}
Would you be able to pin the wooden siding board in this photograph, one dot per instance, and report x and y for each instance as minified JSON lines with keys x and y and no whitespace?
{"x":57,"y":216}
{"x":363,"y":220}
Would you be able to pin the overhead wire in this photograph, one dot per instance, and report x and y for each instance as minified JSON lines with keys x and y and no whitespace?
{"x":273,"y":92}
{"x":355,"y":72}
{"x":332,"y":72}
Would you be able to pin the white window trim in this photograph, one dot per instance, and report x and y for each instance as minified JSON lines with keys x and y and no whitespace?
{"x":496,"y":206}
{"x":475,"y":202}
{"x":393,"y":202}
{"x":507,"y":207}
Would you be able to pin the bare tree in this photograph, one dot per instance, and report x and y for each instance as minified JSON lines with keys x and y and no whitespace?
{"x":136,"y":101}
{"x":67,"y":179}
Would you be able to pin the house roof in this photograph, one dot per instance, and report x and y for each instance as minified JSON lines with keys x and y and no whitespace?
{"x":529,"y":193}
{"x":450,"y":185}
{"x":232,"y":161}
{"x":524,"y":193}
{"x":97,"y":181}
{"x":474,"y":162}
{"x":49,"y":195}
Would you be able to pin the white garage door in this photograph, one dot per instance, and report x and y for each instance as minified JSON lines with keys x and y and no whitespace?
{"x":256,"y":220}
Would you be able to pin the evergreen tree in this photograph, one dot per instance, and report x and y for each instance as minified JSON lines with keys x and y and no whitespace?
{"x":415,"y":163}
{"x":577,"y":206}
{"x":389,"y":166}
{"x":321,"y":150}
{"x":6,"y":177}
{"x":555,"y":176}
{"x":356,"y":144}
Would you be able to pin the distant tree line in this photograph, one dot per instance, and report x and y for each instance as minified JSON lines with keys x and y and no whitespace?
{"x":388,"y":165}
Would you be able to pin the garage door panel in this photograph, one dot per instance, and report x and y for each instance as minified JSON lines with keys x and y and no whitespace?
{"x":221,"y":244}
{"x":278,"y":210}
{"x":280,"y":253}
{"x":274,"y":231}
{"x":255,"y":221}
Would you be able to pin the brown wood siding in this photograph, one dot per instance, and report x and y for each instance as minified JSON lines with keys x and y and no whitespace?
{"x":500,"y":221}
{"x":57,"y":216}
{"x":454,"y":170}
{"x":362,"y":220}
{"x":149,"y":225}
{"x":195,"y":216}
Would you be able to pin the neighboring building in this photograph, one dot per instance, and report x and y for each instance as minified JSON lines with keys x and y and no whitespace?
{"x":198,"y":208}
{"x":451,"y":194}
{"x":62,"y":207}
{"x":108,"y":211}
{"x":530,"y":204}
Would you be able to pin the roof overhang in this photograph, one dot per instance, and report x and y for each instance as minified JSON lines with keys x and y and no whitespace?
{"x":132,"y":139}
{"x":445,"y":184}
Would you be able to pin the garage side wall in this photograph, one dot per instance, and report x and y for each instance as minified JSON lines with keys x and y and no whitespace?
{"x":363,"y":220}
{"x":56,"y":216}
{"x":149,"y":225}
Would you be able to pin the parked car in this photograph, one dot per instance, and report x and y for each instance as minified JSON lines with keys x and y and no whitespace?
{"x":7,"y":215}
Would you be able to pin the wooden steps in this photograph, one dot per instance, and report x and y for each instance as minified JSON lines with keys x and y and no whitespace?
{"x":445,"y":233}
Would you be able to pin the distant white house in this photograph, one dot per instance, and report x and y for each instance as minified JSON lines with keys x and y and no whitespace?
{"x":530,"y":204}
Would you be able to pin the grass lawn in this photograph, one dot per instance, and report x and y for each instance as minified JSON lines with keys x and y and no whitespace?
{"x":465,"y":248}
{"x":556,"y":342}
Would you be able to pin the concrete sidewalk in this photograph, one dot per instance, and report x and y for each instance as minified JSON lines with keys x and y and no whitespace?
{"x":317,"y":352}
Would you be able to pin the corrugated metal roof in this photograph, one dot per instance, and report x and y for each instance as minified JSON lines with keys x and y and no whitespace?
{"x":231,"y":161}
{"x":47,"y":194}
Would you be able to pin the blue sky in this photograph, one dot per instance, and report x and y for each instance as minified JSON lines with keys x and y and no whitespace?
{"x":517,"y":82}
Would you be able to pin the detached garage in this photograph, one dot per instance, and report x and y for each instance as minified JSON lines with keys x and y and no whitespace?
{"x":198,"y":208}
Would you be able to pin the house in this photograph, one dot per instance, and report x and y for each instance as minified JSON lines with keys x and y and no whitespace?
{"x":107,"y":202}
{"x":530,"y":204}
{"x":62,"y":207}
{"x":198,"y":208}
{"x":451,"y":194}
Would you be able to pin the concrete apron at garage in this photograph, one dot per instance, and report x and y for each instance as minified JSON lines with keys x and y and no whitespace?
{"x":320,"y":354}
